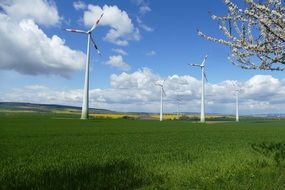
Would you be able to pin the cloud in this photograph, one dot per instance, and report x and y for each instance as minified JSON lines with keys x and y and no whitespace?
{"x":41,"y":11}
{"x":137,"y":2}
{"x":122,"y":29}
{"x":143,"y":6}
{"x":151,"y":53}
{"x":120,"y":51}
{"x":142,"y":25}
{"x":136,"y":92}
{"x":41,"y":93}
{"x":26,"y":49}
{"x":141,"y":79}
{"x":118,"y":62}
{"x":255,"y":87}
{"x":144,"y":9}
{"x":79,"y":5}
{"x":146,"y":28}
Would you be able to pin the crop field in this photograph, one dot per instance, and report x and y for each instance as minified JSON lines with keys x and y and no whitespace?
{"x":62,"y":152}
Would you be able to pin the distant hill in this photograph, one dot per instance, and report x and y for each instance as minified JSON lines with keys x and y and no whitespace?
{"x":17,"y":106}
{"x":53,"y":108}
{"x":271,"y":115}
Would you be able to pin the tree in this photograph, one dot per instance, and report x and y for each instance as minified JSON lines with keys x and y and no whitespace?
{"x":255,"y":34}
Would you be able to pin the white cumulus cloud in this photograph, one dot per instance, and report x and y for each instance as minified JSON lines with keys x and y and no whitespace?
{"x":41,"y":11}
{"x":120,"y":51}
{"x":141,"y":79}
{"x":26,"y":49}
{"x":122,"y":29}
{"x":136,"y":92}
{"x":118,"y":62}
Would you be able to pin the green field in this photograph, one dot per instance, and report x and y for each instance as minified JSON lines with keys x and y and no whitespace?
{"x":54,"y":152}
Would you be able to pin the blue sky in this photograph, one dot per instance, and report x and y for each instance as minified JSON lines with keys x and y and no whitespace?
{"x":162,"y":39}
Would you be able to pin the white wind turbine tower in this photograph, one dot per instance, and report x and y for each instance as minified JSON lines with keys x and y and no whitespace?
{"x":202,"y":66}
{"x":85,"y":104}
{"x":162,"y":92}
{"x":237,"y":91}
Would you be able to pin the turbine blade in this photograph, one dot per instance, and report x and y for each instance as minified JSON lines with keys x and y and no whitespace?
{"x":95,"y":25}
{"x":194,"y":65}
{"x":75,"y":30}
{"x":205,"y":76}
{"x":163,"y":91}
{"x":96,"y":47}
{"x":203,"y":63}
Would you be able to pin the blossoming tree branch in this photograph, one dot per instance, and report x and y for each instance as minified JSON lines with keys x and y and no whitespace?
{"x":255,"y":34}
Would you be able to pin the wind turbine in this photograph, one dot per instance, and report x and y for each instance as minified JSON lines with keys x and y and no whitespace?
{"x":237,"y":91}
{"x":162,"y":92}
{"x":85,"y":104}
{"x":202,"y":66}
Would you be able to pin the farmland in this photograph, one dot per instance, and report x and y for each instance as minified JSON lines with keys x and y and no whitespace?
{"x":59,"y":151}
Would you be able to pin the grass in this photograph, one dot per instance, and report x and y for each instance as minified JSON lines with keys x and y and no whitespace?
{"x":62,"y":152}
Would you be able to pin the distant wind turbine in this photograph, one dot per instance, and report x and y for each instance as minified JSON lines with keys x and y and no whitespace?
{"x":85,"y":104}
{"x":162,"y":92}
{"x":202,"y":66}
{"x":237,"y":91}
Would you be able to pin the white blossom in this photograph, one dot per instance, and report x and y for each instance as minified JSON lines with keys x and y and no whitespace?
{"x":254,"y":33}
